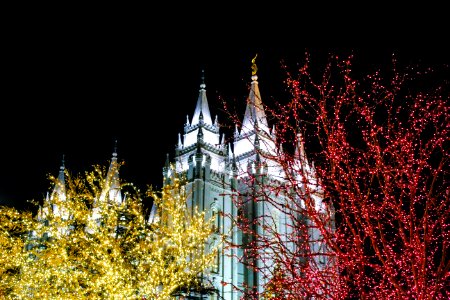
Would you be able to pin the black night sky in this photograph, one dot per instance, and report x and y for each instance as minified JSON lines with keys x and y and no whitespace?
{"x":74,"y":91}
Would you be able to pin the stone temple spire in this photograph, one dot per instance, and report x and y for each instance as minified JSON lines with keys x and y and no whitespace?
{"x":111,"y":191}
{"x":254,"y":123}
{"x":60,"y":188}
{"x":254,"y":112}
{"x":58,"y":195}
{"x":202,"y":106}
{"x":201,"y":131}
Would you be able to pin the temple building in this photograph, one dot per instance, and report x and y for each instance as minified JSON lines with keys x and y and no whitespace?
{"x":217,"y":173}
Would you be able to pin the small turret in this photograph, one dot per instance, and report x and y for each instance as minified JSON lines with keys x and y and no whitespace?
{"x":187,"y":120}
{"x":230,"y":152}
{"x":180,"y":144}
{"x":236,"y":131}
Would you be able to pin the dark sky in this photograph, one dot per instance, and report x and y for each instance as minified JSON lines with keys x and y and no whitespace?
{"x":75,"y":91}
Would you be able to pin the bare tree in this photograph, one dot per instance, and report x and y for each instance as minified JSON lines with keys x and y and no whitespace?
{"x":360,"y":209}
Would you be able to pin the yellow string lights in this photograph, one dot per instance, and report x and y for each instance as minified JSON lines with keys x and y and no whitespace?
{"x":116,"y":256}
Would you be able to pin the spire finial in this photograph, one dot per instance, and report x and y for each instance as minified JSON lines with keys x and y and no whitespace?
{"x":62,"y":163}
{"x":115,"y":148}
{"x":203,"y":85}
{"x":254,"y":67}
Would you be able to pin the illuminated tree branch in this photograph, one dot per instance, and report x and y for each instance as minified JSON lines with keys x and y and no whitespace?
{"x":64,"y":252}
{"x":369,"y":219}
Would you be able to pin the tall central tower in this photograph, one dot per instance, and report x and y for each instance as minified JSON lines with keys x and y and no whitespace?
{"x":228,"y":181}
{"x":214,"y":173}
{"x":202,"y":156}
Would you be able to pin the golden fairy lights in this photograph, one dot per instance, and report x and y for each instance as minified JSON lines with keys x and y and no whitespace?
{"x":116,"y":255}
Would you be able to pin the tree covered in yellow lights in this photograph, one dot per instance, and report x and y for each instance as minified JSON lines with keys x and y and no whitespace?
{"x":83,"y":246}
{"x":13,"y":226}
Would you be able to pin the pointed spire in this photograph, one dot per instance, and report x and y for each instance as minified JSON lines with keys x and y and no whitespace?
{"x":180,"y":144}
{"x":44,"y":209}
{"x":60,"y":187}
{"x":40,"y":216}
{"x":153,"y":218}
{"x":216,"y":122}
{"x":236,"y":131}
{"x":187,"y":120}
{"x":58,"y":195}
{"x":230,"y":152}
{"x":167,"y":163}
{"x":254,"y":112}
{"x":111,"y":190}
{"x":112,"y":187}
{"x":202,"y":105}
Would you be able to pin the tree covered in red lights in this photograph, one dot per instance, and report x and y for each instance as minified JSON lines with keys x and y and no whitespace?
{"x":369,"y":219}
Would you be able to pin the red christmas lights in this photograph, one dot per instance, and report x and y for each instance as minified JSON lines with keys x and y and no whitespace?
{"x":381,"y":148}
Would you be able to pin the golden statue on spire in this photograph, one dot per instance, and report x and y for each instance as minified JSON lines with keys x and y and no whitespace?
{"x":254,"y":67}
